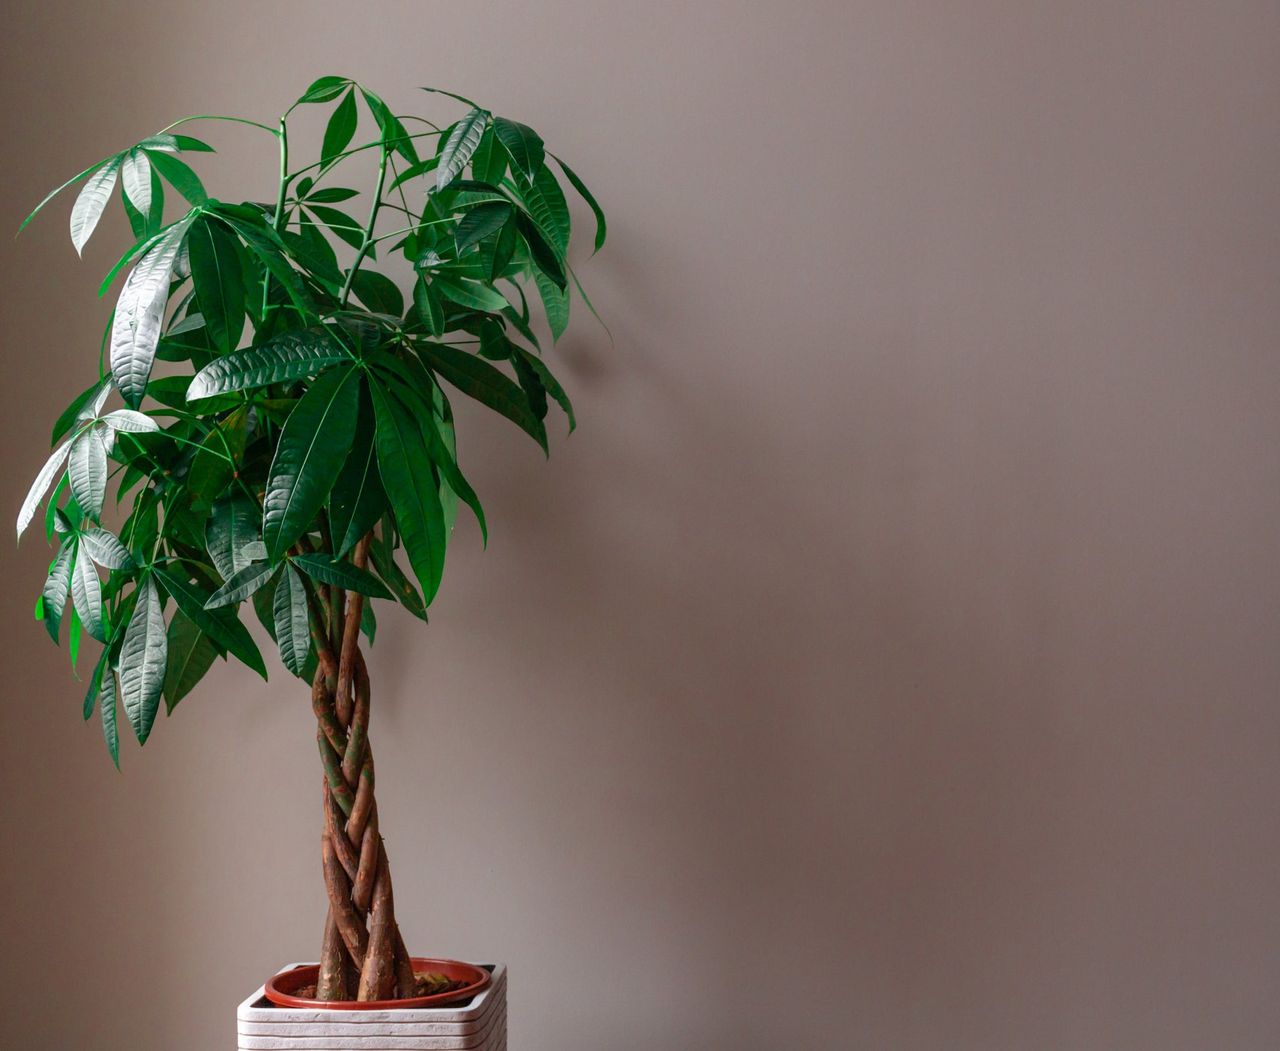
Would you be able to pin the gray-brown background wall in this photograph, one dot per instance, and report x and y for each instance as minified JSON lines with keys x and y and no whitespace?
{"x":889,"y":660}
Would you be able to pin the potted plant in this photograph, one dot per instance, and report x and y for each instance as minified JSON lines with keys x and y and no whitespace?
{"x":286,"y":438}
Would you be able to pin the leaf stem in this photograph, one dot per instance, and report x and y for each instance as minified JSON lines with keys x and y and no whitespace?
{"x":369,"y":240}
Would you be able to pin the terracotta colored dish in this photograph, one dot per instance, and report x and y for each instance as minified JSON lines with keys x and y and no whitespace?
{"x":280,"y":989}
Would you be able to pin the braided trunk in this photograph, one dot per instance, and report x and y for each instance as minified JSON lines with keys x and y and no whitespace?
{"x":362,"y":956}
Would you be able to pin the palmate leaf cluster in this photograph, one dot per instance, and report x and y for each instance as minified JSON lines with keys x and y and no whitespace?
{"x":302,"y":409}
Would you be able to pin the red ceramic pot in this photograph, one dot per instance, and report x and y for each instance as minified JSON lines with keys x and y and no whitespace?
{"x":280,"y":989}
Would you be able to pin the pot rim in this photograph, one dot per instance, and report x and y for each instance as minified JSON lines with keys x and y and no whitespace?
{"x":277,"y":988}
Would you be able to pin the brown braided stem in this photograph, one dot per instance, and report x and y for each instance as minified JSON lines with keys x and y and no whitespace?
{"x":362,"y":953}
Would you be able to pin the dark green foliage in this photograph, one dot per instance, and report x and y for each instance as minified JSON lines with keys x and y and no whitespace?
{"x":304,"y":407}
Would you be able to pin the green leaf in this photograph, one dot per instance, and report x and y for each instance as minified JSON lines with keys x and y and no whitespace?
{"x":289,"y":356}
{"x":312,"y":448}
{"x":292,"y":625}
{"x":549,"y":209}
{"x":91,"y":202}
{"x":240,"y":585}
{"x":220,"y":624}
{"x":189,"y":144}
{"x":555,"y":301}
{"x":324,"y":89}
{"x":479,"y":223}
{"x":427,"y":302}
{"x":142,"y":660}
{"x":460,"y":145}
{"x":95,"y":683}
{"x":136,"y":180}
{"x":357,"y":501}
{"x":180,"y":177}
{"x":470,"y":293}
{"x":378,"y":292}
{"x":130,"y":422}
{"x":191,"y":654}
{"x":393,"y":576}
{"x":219,"y":284}
{"x":341,"y":127}
{"x":523,"y":146}
{"x":393,"y":132}
{"x":51,"y":468}
{"x":87,"y":470}
{"x":86,"y":596}
{"x":54,"y":193}
{"x":480,"y":380}
{"x":342,"y":224}
{"x":489,"y":162}
{"x":342,"y":574}
{"x":135,"y":330}
{"x":602,"y":229}
{"x":56,"y":588}
{"x":412,"y":489}
{"x":544,"y":256}
{"x":107,"y":705}
{"x":234,"y":522}
{"x":105,"y":549}
{"x":331,"y":195}
{"x":86,"y":405}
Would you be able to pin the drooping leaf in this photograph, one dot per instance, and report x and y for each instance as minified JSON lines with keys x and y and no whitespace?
{"x":341,"y":127}
{"x":86,"y":596}
{"x":142,"y":660}
{"x":555,"y":301}
{"x":190,"y":655}
{"x":87,"y":470}
{"x":477,"y":378}
{"x":40,"y":486}
{"x":357,"y":500}
{"x":234,"y":522}
{"x":393,"y":132}
{"x":292,"y":625}
{"x":105,"y":549}
{"x":289,"y":356}
{"x":56,"y":587}
{"x":412,"y":490}
{"x":240,"y":585}
{"x":489,"y":162}
{"x":329,"y":570}
{"x":107,"y":706}
{"x":544,"y":255}
{"x":429,"y":308}
{"x":602,"y":229}
{"x":136,"y":179}
{"x":312,"y":448}
{"x":378,"y":292}
{"x":523,"y":146}
{"x":549,"y":209}
{"x":91,"y":202}
{"x":135,"y":330}
{"x":220,"y":624}
{"x":393,"y":576}
{"x":460,"y":145}
{"x":219,"y":285}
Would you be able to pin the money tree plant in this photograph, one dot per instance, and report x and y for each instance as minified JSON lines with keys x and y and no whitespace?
{"x":285,"y":438}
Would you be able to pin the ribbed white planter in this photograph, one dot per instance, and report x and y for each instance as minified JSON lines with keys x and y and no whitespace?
{"x":478,"y":1024}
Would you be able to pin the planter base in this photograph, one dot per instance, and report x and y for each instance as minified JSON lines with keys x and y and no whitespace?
{"x":478,"y":1024}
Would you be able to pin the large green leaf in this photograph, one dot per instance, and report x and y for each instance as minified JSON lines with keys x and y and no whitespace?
{"x":86,"y":597}
{"x":477,"y":378}
{"x":412,"y":489}
{"x":357,"y":500}
{"x":393,"y":576}
{"x":489,"y":162}
{"x":549,"y":209}
{"x":536,"y":365}
{"x":136,"y":180}
{"x":240,"y":585}
{"x":56,"y":587}
{"x":555,"y":301}
{"x":341,"y":127}
{"x":135,"y":329}
{"x":215,"y":271}
{"x":289,"y":356}
{"x":191,"y":653}
{"x":234,"y":522}
{"x":87,"y":471}
{"x":479,"y":223}
{"x":460,"y":145}
{"x":92,"y":201}
{"x":51,"y":468}
{"x":180,"y":177}
{"x":342,"y":574}
{"x":142,"y":660}
{"x":426,"y":302}
{"x":523,"y":146}
{"x":220,"y":624}
{"x":313,"y":445}
{"x":324,"y":89}
{"x":105,"y":549}
{"x":378,"y":292}
{"x":292,"y":624}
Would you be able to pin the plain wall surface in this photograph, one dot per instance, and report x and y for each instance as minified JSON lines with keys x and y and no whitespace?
{"x":890,"y":658}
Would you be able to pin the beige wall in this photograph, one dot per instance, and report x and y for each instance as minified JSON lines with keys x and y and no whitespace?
{"x":889,"y":661}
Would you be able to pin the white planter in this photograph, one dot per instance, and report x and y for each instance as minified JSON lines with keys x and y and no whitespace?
{"x":478,"y":1024}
